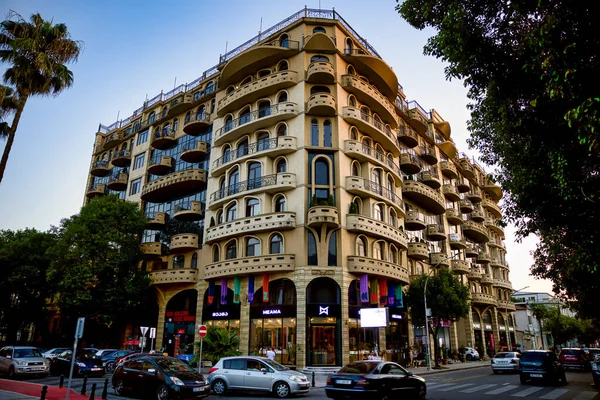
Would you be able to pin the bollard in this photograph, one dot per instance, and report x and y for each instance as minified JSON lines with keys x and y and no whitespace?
{"x":83,"y":387}
{"x":313,"y":379}
{"x":61,"y":382}
{"x":105,"y":390}
{"x":44,"y":391}
{"x":93,"y":392}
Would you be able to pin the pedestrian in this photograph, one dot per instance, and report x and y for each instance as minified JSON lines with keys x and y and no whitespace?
{"x":271,"y":354}
{"x":415,"y":362}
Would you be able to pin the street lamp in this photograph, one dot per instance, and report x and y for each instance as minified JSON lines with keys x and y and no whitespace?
{"x":509,"y":347}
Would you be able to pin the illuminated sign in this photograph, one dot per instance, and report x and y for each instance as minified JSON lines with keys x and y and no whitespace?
{"x":220,"y":314}
{"x":323,"y":310}
{"x":272,"y":312}
{"x":396,"y":316}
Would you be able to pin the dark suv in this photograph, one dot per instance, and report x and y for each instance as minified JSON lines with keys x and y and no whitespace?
{"x":574,"y":358}
{"x":541,"y":364}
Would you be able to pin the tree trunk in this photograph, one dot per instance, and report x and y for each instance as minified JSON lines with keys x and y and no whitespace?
{"x":11,"y":137}
{"x":436,"y":349}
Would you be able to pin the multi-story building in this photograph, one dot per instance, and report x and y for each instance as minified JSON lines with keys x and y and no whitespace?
{"x":292,"y":185}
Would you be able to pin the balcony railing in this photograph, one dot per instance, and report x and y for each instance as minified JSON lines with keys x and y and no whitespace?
{"x":273,"y":109}
{"x":375,"y":188}
{"x":381,"y":157}
{"x":250,"y":184}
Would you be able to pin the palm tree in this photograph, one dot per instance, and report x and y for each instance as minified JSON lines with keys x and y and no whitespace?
{"x":36,"y":52}
{"x":7,"y":107}
{"x":219,"y":343}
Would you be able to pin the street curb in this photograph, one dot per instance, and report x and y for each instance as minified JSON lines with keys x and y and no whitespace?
{"x":441,"y":371}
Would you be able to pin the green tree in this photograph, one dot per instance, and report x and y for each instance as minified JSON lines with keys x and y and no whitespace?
{"x":219,"y":343}
{"x":531,"y":72}
{"x":7,"y":107}
{"x":36,"y":53}
{"x":447,"y":297}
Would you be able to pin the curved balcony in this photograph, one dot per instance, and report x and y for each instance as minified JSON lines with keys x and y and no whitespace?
{"x":474,"y":195}
{"x":494,"y":226}
{"x":163,"y":140}
{"x":272,"y":147}
{"x":408,"y":136}
{"x":257,"y":89}
{"x":176,"y":184}
{"x":184,"y":242}
{"x":96,"y":190}
{"x":374,"y":128}
{"x":457,"y":242}
{"x":425,"y":196}
{"x":486,"y":279}
{"x":409,"y":163}
{"x":429,"y":155}
{"x":477,"y":215}
{"x":255,"y":120}
{"x":100,"y":168}
{"x":466,"y":207}
{"x":320,"y":72}
{"x":414,"y":221}
{"x":362,"y":152}
{"x":152,"y":249}
{"x":322,"y":104}
{"x":474,"y":274}
{"x":475,"y":232}
{"x":159,"y":118}
{"x":161,"y":166}
{"x":248,"y":60}
{"x":503,"y":283}
{"x":188,"y":211}
{"x":448,"y":147}
{"x":448,"y":169}
{"x":370,"y":95}
{"x":363,"y":265}
{"x":374,"y":68}
{"x":197,"y":123}
{"x":483,"y":299}
{"x":463,"y":186}
{"x":194,"y":152}
{"x":361,"y":224}
{"x":430,"y":177}
{"x":439,"y":260}
{"x":460,"y":266}
{"x":435,"y":232}
{"x":260,"y":223}
{"x":443,"y":127}
{"x":454,"y":216}
{"x":271,"y":263}
{"x":510,"y":306}
{"x":417,"y":119}
{"x":492,"y":207}
{"x":180,"y":104}
{"x":121,"y":158}
{"x":493,"y":190}
{"x":323,"y":215}
{"x":319,"y":42}
{"x":365,"y":187}
{"x":483,"y":258}
{"x":158,"y":220}
{"x":450,"y":192}
{"x":471,"y":251}
{"x":174,"y":276}
{"x":113,"y":139}
{"x":267,"y":184}
{"x":418,"y":250}
{"x":118,"y":182}
{"x":466,"y":168}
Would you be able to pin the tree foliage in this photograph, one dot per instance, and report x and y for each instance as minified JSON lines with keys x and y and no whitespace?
{"x":219,"y":343}
{"x":531,"y":72}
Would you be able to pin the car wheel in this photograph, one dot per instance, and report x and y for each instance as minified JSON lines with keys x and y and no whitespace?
{"x":522,"y":378}
{"x":110,"y":367}
{"x":469,"y":357}
{"x":162,"y":393}
{"x":119,"y":388}
{"x":219,"y":387}
{"x":11,"y":373}
{"x":281,"y":389}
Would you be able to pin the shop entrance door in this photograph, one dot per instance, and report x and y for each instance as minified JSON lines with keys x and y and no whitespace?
{"x":322,"y":342}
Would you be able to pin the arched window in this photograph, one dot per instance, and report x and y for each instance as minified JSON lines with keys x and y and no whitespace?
{"x":151,"y":117}
{"x":351,"y":70}
{"x":353,"y":133}
{"x":178,"y":262}
{"x":210,"y":87}
{"x":187,"y":117}
{"x":314,"y":132}
{"x":352,"y":101}
{"x":378,"y":250}
{"x":319,"y":58}
{"x":321,"y":172}
{"x":242,"y":148}
{"x":219,"y":217}
{"x":276,"y":244}
{"x":195,"y":261}
{"x":378,"y":212}
{"x":246,"y":81}
{"x":332,"y":252}
{"x":390,"y":185}
{"x":166,"y":129}
{"x":212,"y":105}
{"x":376,"y":177}
{"x":284,"y":40}
{"x":175,"y":124}
{"x":283,"y":66}
{"x":263,"y":73}
{"x":254,"y":175}
{"x":327,"y":140}
{"x":319,"y":89}
{"x":244,"y":116}
{"x":393,"y":218}
{"x":136,"y":126}
{"x":377,"y":120}
{"x":318,"y":29}
{"x":361,"y":246}
{"x":393,"y":258}
{"x":280,"y":203}
{"x":282,"y":98}
{"x":226,"y":153}
{"x":252,"y":247}
{"x":357,"y":204}
{"x":355,"y":168}
{"x":349,"y":46}
{"x":216,"y":253}
{"x":230,"y":89}
{"x":231,"y":212}
{"x":282,"y":130}
{"x":252,"y":207}
{"x":311,"y":249}
{"x":231,"y":250}
{"x":281,"y":165}
{"x":264,"y":109}
{"x":234,"y":179}
{"x":228,"y":123}
{"x":263,"y":141}
{"x":201,"y":112}
{"x":365,"y":113}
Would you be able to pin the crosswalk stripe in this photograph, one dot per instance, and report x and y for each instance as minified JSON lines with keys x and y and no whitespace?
{"x":527,"y":392}
{"x":444,"y":385}
{"x":556,"y":393}
{"x":478,"y":388}
{"x":585,"y":396}
{"x":464,"y":385}
{"x":502,"y":389}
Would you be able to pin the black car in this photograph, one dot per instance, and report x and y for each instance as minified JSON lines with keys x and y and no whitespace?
{"x":160,"y":377}
{"x":86,"y":363}
{"x":542,"y":365}
{"x":110,"y":360}
{"x":596,"y":370}
{"x":375,"y":379}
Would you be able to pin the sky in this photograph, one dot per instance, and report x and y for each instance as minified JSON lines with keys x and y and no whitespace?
{"x":134,"y":49}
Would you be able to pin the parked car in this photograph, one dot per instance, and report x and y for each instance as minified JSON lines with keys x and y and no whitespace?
{"x":592,"y":352}
{"x":574,"y":358}
{"x":256,"y":374}
{"x":86,"y":363}
{"x":506,"y":361}
{"x":23,"y":361}
{"x":596,"y":370}
{"x":542,"y":365}
{"x":161,"y":378}
{"x":50,"y":354}
{"x":471,"y":354}
{"x":375,"y":379}
{"x":110,"y":360}
{"x":105,"y":352}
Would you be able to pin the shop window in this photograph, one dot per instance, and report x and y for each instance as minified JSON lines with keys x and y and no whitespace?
{"x":276,"y":244}
{"x":252,"y":247}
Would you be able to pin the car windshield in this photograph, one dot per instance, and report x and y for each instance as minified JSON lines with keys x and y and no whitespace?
{"x":275,"y":365}
{"x":535,"y":356}
{"x":572,"y":352}
{"x":27,"y":353}
{"x":174,"y":365}
{"x":359,"y":368}
{"x":505,"y":355}
{"x":86,"y":354}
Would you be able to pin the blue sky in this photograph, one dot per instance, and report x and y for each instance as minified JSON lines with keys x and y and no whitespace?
{"x":135,"y":49}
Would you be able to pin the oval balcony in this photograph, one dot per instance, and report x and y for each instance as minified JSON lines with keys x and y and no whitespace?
{"x":443,"y":127}
{"x":256,"y":89}
{"x":409,"y":163}
{"x":113,"y":139}
{"x":157,"y":220}
{"x":152,"y":249}
{"x":474,"y":195}
{"x":320,"y":42}
{"x":159,"y":118}
{"x":180,"y":104}
{"x":174,"y":276}
{"x":188,"y":211}
{"x":435,"y":232}
{"x":463,"y":186}
{"x":363,"y":265}
{"x":259,"y":223}
{"x":477,"y":215}
{"x":483,"y":258}
{"x":322,"y":104}
{"x":448,"y":147}
{"x":503,"y":283}
{"x":272,"y":263}
{"x":408,"y":136}
{"x":375,"y":69}
{"x":417,"y":250}
{"x":361,"y":224}
{"x":364,"y":187}
{"x":414,"y":221}
{"x":486,"y":279}
{"x":492,"y":207}
{"x":429,"y":155}
{"x":493,"y":190}
{"x":474,"y":274}
{"x":362,"y":152}
{"x":450,"y":192}
{"x":430,"y":177}
{"x":373,"y":127}
{"x":121,"y":158}
{"x":271,"y":147}
{"x":425,"y":196}
{"x":370,"y":95}
{"x":100,"y":168}
{"x":184,"y":242}
{"x":323,"y":215}
{"x":494,"y":226}
{"x":507,"y":305}
{"x":465,"y":166}
{"x":466,"y":207}
{"x":254,"y":120}
{"x":196,"y":123}
{"x":457,"y":242}
{"x":267,"y":184}
{"x":439,"y":260}
{"x":475,"y":231}
{"x":118,"y":182}
{"x":471,"y":251}
{"x":417,"y":119}
{"x":176,"y":184}
{"x":163,"y":140}
{"x":161,"y":166}
{"x":454,"y":216}
{"x":448,"y":169}
{"x":194,"y":152}
{"x":96,"y":190}
{"x":483,"y":299}
{"x":460,"y":266}
{"x":320,"y":72}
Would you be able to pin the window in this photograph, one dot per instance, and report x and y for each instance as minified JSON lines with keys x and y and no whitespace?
{"x":234,"y":179}
{"x":201,"y":113}
{"x":175,"y":124}
{"x":312,"y":249}
{"x":212,"y":105}
{"x":231,"y":250}
{"x":139,"y":161}
{"x":280,"y":203}
{"x":283,"y":66}
{"x":252,"y":207}
{"x":349,"y":46}
{"x":210,"y":87}
{"x":263,"y":141}
{"x":282,"y":98}
{"x":319,"y":29}
{"x":332,"y":253}
{"x":178,"y":262}
{"x":327,"y":142}
{"x":228,"y":123}
{"x":378,"y":251}
{"x":378,"y":212}
{"x":319,"y":89}
{"x":353,"y":133}
{"x":216,"y":255}
{"x":187,"y":117}
{"x":355,"y":169}
{"x":321,"y":172}
{"x":135,"y":186}
{"x":352,"y":102}
{"x":242,"y":148}
{"x":142,"y":137}
{"x":361,"y":247}
{"x":276,"y":244}
{"x":246,"y":81}
{"x":281,"y":166}
{"x":245,"y":116}
{"x":151,"y":118}
{"x":282,"y":130}
{"x":264,"y":109}
{"x":318,"y":58}
{"x":314,"y":132}
{"x":351,"y":70}
{"x":254,"y":175}
{"x":264,"y":72}
{"x":284,"y":41}
{"x":195,"y":261}
{"x":252,"y":247}
{"x":232,"y":212}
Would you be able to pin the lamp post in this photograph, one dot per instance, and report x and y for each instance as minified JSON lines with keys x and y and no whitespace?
{"x":508,"y":345}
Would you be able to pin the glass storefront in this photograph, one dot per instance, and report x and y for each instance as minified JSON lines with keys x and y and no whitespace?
{"x":226,"y":316}
{"x":323,"y":319}
{"x":180,"y":322}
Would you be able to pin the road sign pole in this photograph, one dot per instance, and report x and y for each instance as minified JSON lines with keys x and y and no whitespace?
{"x":202,"y":330}
{"x":78,"y":335}
{"x":200,"y":360}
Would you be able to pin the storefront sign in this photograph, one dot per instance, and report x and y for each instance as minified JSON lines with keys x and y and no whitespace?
{"x":476,"y":325}
{"x":396,"y":316}
{"x":271,"y":312}
{"x":488,"y":327}
{"x":220,"y":314}
{"x":283,"y":311}
{"x":323,"y":310}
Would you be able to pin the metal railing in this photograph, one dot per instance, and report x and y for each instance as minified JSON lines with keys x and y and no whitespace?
{"x":380,"y":126}
{"x":249,"y":117}
{"x":261,"y":145}
{"x":122,"y":153}
{"x":186,"y":206}
{"x":382,"y":191}
{"x":100,"y":164}
{"x":414,"y":104}
{"x":250,"y":184}
{"x":381,"y":157}
{"x":408,"y":131}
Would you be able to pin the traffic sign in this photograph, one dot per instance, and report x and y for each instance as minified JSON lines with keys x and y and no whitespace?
{"x":202,"y":330}
{"x":152,"y":333}
{"x":144,"y":329}
{"x":79,"y":330}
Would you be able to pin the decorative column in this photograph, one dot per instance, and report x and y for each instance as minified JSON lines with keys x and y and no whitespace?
{"x":495,"y":329}
{"x":245,"y":318}
{"x":160,"y":325}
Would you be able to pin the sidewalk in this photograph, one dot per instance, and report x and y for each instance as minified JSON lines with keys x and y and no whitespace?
{"x":17,"y":390}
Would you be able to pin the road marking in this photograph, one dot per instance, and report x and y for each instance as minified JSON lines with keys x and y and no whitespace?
{"x":455,"y":387}
{"x":478,"y":388}
{"x":443,"y":385}
{"x":502,"y":389}
{"x":470,"y":377}
{"x":556,"y":393}
{"x":527,"y":392}
{"x":585,"y":396}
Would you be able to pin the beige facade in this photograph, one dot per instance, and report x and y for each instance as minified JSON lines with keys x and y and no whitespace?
{"x":299,"y":162}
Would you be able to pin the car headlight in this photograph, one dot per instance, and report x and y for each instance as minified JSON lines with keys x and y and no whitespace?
{"x":177,"y":381}
{"x":296,"y":378}
{"x":21,"y":362}
{"x":81,"y":364}
{"x":47,"y":363}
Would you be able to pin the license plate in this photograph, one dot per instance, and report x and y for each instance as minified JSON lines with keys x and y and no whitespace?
{"x":198,"y":389}
{"x":536,"y":375}
{"x":35,"y":369}
{"x":96,"y":369}
{"x":343,"y":382}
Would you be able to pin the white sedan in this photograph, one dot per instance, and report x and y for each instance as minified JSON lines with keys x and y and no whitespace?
{"x":506,"y":361}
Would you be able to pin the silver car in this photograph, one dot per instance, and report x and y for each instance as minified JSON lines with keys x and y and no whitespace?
{"x":23,"y":361}
{"x":506,"y":361}
{"x":256,"y":374}
{"x":52,"y":353}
